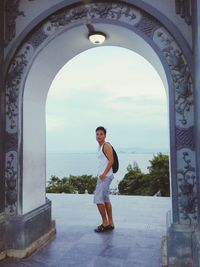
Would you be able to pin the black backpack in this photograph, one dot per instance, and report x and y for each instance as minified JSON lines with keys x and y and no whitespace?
{"x":115,"y":165}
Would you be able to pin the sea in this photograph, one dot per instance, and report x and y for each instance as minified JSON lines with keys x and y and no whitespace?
{"x":65,"y":164}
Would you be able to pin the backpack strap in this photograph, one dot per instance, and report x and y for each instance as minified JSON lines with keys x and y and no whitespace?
{"x":103,"y":147}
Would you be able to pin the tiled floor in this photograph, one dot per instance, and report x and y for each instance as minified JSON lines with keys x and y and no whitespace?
{"x":136,"y":241}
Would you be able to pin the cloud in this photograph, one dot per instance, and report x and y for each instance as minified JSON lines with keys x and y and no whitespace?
{"x":114,"y":87}
{"x":115,"y":71}
{"x":54,"y":122}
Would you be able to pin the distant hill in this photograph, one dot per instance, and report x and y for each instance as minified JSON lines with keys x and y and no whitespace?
{"x":141,"y":150}
{"x":126,"y":150}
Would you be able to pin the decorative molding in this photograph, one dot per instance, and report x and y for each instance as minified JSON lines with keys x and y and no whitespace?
{"x":148,"y":25}
{"x":113,"y":11}
{"x":157,"y":36}
{"x":185,"y":138}
{"x":11,"y":182}
{"x":12,"y":90}
{"x":37,"y":38}
{"x":11,"y":141}
{"x":184,"y":9}
{"x":187,"y":190}
{"x":13,"y":82}
{"x":180,"y":74}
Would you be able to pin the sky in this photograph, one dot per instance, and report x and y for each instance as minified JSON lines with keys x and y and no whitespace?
{"x":109,"y":86}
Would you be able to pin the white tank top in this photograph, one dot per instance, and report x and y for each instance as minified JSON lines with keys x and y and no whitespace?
{"x":103,"y":161}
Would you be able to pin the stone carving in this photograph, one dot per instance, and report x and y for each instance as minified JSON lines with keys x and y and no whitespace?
{"x":180,"y":74}
{"x":143,"y":24}
{"x":183,"y":8}
{"x":12,"y":89}
{"x":12,"y":12}
{"x":148,"y":25}
{"x":14,"y":78}
{"x":185,"y":138}
{"x":37,"y":38}
{"x":187,"y":189}
{"x":87,"y":12}
{"x":11,"y":141}
{"x":11,"y":182}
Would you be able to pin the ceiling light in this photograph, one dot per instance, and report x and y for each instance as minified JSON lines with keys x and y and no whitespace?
{"x":97,"y":38}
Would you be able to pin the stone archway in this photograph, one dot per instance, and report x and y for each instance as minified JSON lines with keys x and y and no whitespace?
{"x":174,"y":63}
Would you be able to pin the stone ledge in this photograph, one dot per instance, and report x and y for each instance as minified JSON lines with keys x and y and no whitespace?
{"x":43,"y":240}
{"x":179,"y":249}
{"x":24,"y":230}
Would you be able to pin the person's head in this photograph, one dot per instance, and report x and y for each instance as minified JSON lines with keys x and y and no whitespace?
{"x":100,"y":134}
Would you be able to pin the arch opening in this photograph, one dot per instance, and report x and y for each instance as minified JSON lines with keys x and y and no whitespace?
{"x":109,"y":86}
{"x":55,"y":55}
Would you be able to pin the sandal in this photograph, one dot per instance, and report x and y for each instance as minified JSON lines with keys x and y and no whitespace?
{"x":111,"y":227}
{"x":101,"y":228}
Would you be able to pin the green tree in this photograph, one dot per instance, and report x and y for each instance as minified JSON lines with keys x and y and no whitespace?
{"x":72,"y":184}
{"x":132,"y":181}
{"x":159,"y":174}
{"x":56,"y":185}
{"x":82,"y":183}
{"x":135,"y":182}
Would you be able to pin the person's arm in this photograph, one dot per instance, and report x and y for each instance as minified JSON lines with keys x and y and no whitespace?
{"x":109,"y":154}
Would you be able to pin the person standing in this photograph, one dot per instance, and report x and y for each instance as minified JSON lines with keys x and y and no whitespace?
{"x":105,"y":177}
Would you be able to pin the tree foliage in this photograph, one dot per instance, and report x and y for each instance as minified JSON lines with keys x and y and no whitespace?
{"x":72,"y":184}
{"x":159,"y":173}
{"x":135,"y":182}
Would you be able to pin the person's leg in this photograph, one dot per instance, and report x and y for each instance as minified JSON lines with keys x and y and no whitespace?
{"x":107,"y":202}
{"x":99,"y":201}
{"x":108,"y":207}
{"x":102,"y":211}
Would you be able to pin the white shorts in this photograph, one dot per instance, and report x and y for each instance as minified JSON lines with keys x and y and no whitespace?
{"x":102,"y":191}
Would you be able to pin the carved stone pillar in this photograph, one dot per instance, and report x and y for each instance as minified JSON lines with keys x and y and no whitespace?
{"x":20,"y":234}
{"x":2,"y":182}
{"x":2,"y":176}
{"x":196,"y":61}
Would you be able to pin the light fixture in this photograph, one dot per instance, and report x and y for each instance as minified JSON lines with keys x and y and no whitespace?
{"x":97,"y":38}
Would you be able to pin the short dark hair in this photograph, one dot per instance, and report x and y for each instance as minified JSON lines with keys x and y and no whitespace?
{"x":101,"y":128}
